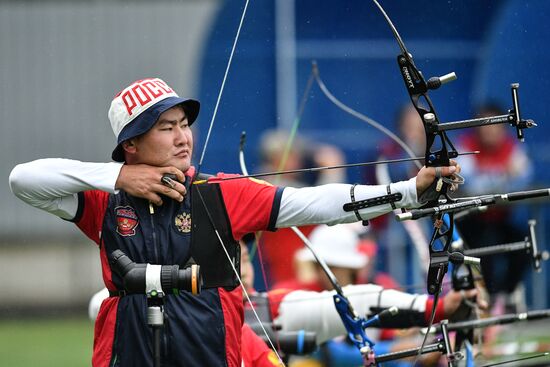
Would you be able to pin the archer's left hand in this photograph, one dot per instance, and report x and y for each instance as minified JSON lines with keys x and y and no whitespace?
{"x":427,"y":175}
{"x":454,"y":299}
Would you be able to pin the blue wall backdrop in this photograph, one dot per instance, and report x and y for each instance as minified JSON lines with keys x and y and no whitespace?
{"x":489,"y":44}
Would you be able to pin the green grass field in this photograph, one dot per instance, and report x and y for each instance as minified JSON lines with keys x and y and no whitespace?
{"x":46,"y":343}
{"x":61,"y":342}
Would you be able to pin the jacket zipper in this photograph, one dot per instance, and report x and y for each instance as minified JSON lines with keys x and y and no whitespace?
{"x":153,"y":230}
{"x":164,"y":342}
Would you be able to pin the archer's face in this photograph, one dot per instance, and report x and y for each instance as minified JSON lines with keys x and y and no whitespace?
{"x":168,"y":143}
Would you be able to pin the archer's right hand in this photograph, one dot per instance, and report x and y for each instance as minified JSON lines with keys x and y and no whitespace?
{"x":144,"y":181}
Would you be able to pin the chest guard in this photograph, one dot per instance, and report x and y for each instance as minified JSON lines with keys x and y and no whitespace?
{"x":208,"y":215}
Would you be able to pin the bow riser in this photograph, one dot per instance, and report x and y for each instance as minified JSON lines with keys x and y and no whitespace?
{"x":437,"y":154}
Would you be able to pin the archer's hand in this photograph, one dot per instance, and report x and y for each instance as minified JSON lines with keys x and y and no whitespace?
{"x":427,"y":175}
{"x":144,"y":181}
{"x":455,"y":299}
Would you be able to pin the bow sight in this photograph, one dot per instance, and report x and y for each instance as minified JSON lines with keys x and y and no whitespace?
{"x":419,"y":87}
{"x":513,"y":118}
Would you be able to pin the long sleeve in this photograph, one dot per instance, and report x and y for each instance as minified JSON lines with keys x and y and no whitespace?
{"x":52,"y":184}
{"x":324,"y":204}
{"x":315,"y":311}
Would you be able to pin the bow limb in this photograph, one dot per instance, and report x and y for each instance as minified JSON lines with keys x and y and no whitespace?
{"x":315,"y":76}
{"x":439,"y":151}
{"x":360,"y":115}
{"x":244,"y":171}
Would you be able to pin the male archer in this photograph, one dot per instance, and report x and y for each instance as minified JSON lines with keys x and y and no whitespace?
{"x":127,"y":205}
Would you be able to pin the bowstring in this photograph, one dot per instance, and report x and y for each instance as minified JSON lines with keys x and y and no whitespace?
{"x":214,"y":114}
{"x":210,"y":127}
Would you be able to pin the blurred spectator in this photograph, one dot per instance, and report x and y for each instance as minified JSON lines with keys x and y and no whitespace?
{"x":346,"y":262}
{"x":275,"y":156}
{"x":278,"y":247}
{"x":369,"y":273}
{"x":301,"y":153}
{"x":502,"y":166}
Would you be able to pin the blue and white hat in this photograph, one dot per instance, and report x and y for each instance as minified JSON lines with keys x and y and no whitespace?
{"x":137,"y":108}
